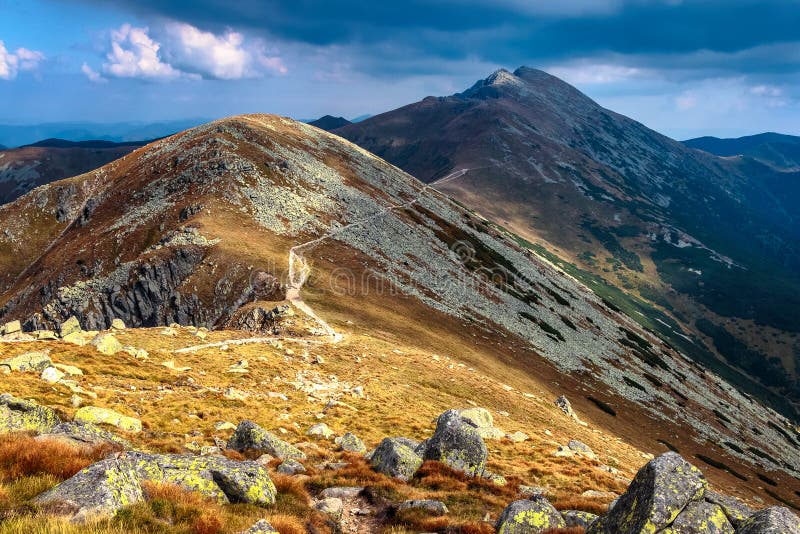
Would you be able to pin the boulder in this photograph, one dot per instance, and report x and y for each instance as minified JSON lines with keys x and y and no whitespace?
{"x":428,"y":506}
{"x":291,"y":467}
{"x":261,"y":526}
{"x":99,"y":490}
{"x":458,"y":444}
{"x":117,"y":324}
{"x":394,"y":458}
{"x":30,"y":361}
{"x":70,"y":326}
{"x":578,"y":518}
{"x":320,"y":430}
{"x":19,"y":415}
{"x":351,"y":443}
{"x":773,"y":520}
{"x":95,"y":415}
{"x":103,"y":488}
{"x":107,"y":344}
{"x":658,"y":493}
{"x":250,"y":436}
{"x":82,"y":434}
{"x":529,"y":517}
{"x":700,"y":516}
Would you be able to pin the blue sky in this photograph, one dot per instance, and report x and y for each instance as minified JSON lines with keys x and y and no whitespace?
{"x":683,"y":67}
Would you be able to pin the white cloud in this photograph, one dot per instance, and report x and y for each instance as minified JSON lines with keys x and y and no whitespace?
{"x":179,"y":50}
{"x":225,"y":57}
{"x":592,"y":73}
{"x":92,"y":74}
{"x":20,"y":60}
{"x":135,"y":55}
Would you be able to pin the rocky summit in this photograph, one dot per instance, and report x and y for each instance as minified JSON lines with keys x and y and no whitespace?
{"x":257,"y":326}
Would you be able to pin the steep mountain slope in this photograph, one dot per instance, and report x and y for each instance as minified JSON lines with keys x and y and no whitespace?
{"x":777,"y":150}
{"x":27,"y":167}
{"x":202,"y":227}
{"x":658,"y":228}
{"x":329,"y":122}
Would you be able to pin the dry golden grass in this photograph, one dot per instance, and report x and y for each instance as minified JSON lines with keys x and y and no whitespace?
{"x":406,"y":388}
{"x":21,"y":455}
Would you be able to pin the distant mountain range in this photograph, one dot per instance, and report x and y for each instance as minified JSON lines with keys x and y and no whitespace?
{"x":701,"y":249}
{"x":329,"y":122}
{"x":12,"y":135}
{"x":778,"y":150}
{"x":27,"y":167}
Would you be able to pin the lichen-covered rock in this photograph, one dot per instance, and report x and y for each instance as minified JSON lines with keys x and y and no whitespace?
{"x":332,"y":507}
{"x":351,"y":443}
{"x":11,"y":327}
{"x":341,"y":492}
{"x":261,"y":526}
{"x":428,"y":506}
{"x":563,"y":403}
{"x":117,"y":324}
{"x":250,"y":436}
{"x":658,"y":493}
{"x":483,"y":421}
{"x":773,"y":520}
{"x":700,"y":516}
{"x":30,"y":361}
{"x":96,"y":491}
{"x":578,"y":518}
{"x":103,"y":488}
{"x":70,"y":326}
{"x":107,"y":344}
{"x":79,"y":433}
{"x":735,"y":510}
{"x":458,"y":444}
{"x":395,"y":459}
{"x":291,"y":467}
{"x":529,"y":517}
{"x":96,"y":415}
{"x":320,"y":430}
{"x":19,"y":415}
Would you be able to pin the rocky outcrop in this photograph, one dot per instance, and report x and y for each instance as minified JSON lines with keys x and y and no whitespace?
{"x":530,"y":516}
{"x":261,"y":319}
{"x":104,"y":487}
{"x":458,"y":444}
{"x":396,"y":459}
{"x":250,"y":436}
{"x":20,"y":415}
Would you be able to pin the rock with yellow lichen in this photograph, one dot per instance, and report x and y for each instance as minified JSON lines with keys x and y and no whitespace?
{"x":773,"y":520}
{"x":250,"y":436}
{"x":107,"y":344}
{"x":529,"y":517}
{"x":458,"y":444}
{"x":106,"y":486}
{"x":21,"y":415}
{"x":395,"y":458}
{"x":95,"y":415}
{"x":700,"y":516}
{"x":30,"y":361}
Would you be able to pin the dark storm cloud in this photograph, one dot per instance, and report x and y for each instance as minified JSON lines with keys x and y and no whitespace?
{"x":504,"y":32}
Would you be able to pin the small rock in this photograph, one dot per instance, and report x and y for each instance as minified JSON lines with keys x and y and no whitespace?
{"x":580,"y":448}
{"x":224,"y":425}
{"x":331,"y":507}
{"x":350,"y":443}
{"x":262,"y":526}
{"x":117,"y":324}
{"x":75,"y":401}
{"x":68,"y":369}
{"x":320,"y":430}
{"x":235,"y":394}
{"x":12,"y":327}
{"x":518,"y":437}
{"x":52,"y":375}
{"x":563,"y":403}
{"x":578,"y":518}
{"x":291,"y":467}
{"x":341,"y":492}
{"x":107,"y":344}
{"x":250,"y":436}
{"x":429,"y":506}
{"x":773,"y":520}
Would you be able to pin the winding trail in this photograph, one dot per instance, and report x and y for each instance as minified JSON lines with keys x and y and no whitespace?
{"x":299,"y":269}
